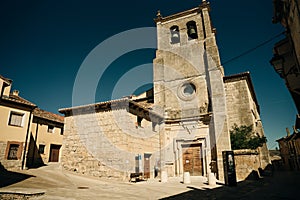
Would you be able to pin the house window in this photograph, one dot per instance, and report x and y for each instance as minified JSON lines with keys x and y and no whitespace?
{"x":16,"y":119}
{"x":61,"y":131}
{"x":13,"y":152}
{"x":50,"y":129}
{"x":41,"y":149}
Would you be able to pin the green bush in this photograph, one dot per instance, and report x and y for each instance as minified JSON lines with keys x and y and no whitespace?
{"x":243,"y":137}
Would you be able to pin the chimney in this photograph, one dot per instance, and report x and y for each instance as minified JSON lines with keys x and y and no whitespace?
{"x":16,"y":92}
{"x":288,"y":132}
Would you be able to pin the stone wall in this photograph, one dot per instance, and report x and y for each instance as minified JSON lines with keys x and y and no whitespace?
{"x":238,"y":103}
{"x":247,"y":164}
{"x":105,"y":144}
{"x":243,"y":109}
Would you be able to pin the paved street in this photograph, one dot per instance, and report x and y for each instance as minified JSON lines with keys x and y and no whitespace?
{"x":50,"y":182}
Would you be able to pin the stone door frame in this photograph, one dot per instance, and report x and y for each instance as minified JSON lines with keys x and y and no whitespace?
{"x":178,"y":153}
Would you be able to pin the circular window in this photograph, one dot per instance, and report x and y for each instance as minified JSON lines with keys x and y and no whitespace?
{"x":187,"y":91}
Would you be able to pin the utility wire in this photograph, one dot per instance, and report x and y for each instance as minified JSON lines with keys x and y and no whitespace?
{"x":253,"y":49}
{"x":233,"y":59}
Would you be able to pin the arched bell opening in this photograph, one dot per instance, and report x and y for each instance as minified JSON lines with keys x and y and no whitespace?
{"x":175,"y":36}
{"x":192,"y":30}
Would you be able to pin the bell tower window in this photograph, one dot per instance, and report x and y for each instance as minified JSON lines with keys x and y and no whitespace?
{"x":175,"y":36}
{"x":192,"y":30}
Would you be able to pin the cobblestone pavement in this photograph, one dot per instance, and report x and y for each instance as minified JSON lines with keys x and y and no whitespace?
{"x":56,"y":184}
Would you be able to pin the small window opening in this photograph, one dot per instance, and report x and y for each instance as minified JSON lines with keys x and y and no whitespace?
{"x":41,"y":149}
{"x":50,"y":129}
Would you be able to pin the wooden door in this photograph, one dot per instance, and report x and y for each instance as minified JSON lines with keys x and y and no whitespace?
{"x":192,"y":159}
{"x":187,"y":160}
{"x":147,"y":165}
{"x":54,"y":153}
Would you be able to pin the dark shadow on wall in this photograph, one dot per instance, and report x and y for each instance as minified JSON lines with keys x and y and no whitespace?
{"x":34,"y":159}
{"x":2,"y":168}
{"x":8,"y":177}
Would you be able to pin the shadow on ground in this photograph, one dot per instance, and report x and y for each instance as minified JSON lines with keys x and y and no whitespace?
{"x":222,"y":192}
{"x":278,"y":185}
{"x":8,"y":178}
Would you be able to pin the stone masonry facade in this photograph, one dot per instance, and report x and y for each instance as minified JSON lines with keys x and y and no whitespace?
{"x":105,"y":144}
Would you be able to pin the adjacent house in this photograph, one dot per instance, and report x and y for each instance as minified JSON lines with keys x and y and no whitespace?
{"x":28,"y":135}
{"x":46,"y":138}
{"x":181,"y":125}
{"x":16,"y":118}
{"x":286,"y":58}
{"x":290,"y":150}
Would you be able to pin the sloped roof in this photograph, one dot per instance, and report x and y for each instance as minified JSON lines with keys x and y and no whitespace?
{"x":94,"y":106}
{"x":290,"y":137}
{"x":48,"y":115}
{"x":17,"y":99}
{"x":134,"y":107}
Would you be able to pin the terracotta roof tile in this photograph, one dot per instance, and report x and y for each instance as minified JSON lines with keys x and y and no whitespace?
{"x":18,"y":99}
{"x":48,"y":115}
{"x":63,"y":110}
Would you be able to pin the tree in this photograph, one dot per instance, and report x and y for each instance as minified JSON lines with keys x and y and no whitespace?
{"x":243,"y":137}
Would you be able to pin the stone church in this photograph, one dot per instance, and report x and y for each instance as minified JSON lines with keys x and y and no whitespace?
{"x":181,"y":125}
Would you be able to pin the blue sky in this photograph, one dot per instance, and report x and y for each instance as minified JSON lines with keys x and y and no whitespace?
{"x":43,"y":45}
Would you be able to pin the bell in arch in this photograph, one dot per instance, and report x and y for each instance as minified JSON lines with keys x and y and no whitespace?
{"x":175,"y":37}
{"x":192,"y":30}
{"x":175,"y":34}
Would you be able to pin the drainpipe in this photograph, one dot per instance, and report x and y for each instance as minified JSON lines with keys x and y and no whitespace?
{"x":26,"y":140}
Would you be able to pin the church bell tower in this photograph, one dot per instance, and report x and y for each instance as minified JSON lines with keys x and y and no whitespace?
{"x":189,"y":90}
